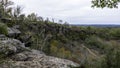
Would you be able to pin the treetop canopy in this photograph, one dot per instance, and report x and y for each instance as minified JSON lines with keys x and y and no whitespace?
{"x":105,"y":3}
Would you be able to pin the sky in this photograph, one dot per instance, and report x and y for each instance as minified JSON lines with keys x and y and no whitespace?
{"x":71,"y":11}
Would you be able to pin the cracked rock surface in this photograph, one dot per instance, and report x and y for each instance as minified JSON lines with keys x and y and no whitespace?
{"x":22,"y":57}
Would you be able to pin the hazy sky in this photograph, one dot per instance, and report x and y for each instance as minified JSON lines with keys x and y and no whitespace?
{"x":72,"y":11}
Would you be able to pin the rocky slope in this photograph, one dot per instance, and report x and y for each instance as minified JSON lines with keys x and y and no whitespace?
{"x":19,"y":56}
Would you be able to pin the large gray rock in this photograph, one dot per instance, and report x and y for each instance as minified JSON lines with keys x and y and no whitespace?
{"x":37,"y":59}
{"x":7,"y":49}
{"x":11,"y":46}
{"x":22,"y":57}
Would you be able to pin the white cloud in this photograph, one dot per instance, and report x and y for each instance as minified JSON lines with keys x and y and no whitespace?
{"x":73,"y":11}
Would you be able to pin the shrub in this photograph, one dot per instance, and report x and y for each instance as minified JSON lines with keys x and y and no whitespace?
{"x":96,"y":43}
{"x":3,"y":29}
{"x":115,"y":33}
{"x":112,"y":58}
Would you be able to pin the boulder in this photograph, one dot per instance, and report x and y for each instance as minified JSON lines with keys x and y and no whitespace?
{"x":23,"y":57}
{"x":11,"y":46}
{"x":7,"y":49}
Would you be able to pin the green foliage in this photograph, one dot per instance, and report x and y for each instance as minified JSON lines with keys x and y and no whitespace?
{"x":105,"y":3}
{"x":32,"y":17}
{"x":115,"y":33}
{"x":5,"y":10}
{"x":64,"y":53}
{"x":53,"y":48}
{"x":3,"y":29}
{"x":96,"y":43}
{"x":59,"y":51}
{"x":103,"y":33}
{"x":112,"y":58}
